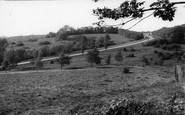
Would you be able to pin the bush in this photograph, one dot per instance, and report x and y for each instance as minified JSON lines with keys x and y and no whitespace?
{"x":155,"y":51}
{"x":161,"y":61}
{"x":132,"y":107}
{"x":44,"y":43}
{"x":125,"y":49}
{"x":126,"y":70}
{"x":145,"y":60}
{"x":132,"y":50}
{"x":55,"y":50}
{"x":20,"y":44}
{"x":32,"y":40}
{"x":131,"y":55}
{"x":170,"y":47}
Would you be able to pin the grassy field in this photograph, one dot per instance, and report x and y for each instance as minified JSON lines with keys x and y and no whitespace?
{"x":70,"y":91}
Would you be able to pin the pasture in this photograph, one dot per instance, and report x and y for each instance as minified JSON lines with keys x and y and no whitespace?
{"x":81,"y":91}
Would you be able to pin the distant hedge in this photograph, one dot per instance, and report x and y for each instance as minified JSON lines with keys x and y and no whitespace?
{"x":44,"y":43}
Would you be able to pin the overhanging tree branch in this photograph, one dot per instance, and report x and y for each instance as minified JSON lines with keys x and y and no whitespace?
{"x":133,"y":9}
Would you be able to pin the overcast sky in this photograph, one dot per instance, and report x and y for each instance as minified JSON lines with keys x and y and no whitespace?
{"x":42,"y":17}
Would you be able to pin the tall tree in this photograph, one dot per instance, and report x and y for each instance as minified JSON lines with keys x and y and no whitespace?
{"x":38,"y":62}
{"x":93,"y":57}
{"x":64,"y":59}
{"x":6,"y":64}
{"x":3,"y":44}
{"x":83,"y":43}
{"x":108,"y":59}
{"x":106,"y":41}
{"x":118,"y":57}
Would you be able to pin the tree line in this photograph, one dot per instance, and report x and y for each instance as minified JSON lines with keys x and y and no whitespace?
{"x":131,"y":34}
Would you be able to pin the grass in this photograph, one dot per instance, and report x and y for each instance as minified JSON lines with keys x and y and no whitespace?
{"x":71,"y":91}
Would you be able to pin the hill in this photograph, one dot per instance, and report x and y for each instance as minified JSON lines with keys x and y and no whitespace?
{"x":168,"y":33}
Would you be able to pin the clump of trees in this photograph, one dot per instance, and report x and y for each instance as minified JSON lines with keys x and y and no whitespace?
{"x":131,"y":34}
{"x":64,"y":32}
{"x":93,"y":57}
{"x":51,"y":35}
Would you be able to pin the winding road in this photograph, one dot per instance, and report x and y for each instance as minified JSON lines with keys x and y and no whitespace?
{"x":148,"y":37}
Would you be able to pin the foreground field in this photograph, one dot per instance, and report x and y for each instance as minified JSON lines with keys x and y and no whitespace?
{"x":70,"y":92}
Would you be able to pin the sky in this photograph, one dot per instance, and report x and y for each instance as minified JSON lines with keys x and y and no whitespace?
{"x":41,"y":17}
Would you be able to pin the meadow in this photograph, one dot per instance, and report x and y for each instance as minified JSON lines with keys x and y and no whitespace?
{"x":84,"y":90}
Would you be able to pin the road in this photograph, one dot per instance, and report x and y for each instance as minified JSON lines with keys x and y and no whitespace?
{"x":148,"y":38}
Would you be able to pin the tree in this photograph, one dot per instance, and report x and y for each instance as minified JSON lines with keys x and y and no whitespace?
{"x":64,"y":59}
{"x":12,"y":56}
{"x":145,"y":60}
{"x":106,"y":41}
{"x":63,"y":33}
{"x":133,"y":9}
{"x":68,"y":48}
{"x":83,"y":43}
{"x":118,"y":57}
{"x":93,"y":57}
{"x":3,"y":44}
{"x":6,"y":64}
{"x":38,"y":61}
{"x":108,"y":59}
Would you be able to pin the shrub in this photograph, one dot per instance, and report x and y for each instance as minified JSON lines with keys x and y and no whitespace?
{"x":32,"y":40}
{"x":44,"y":43}
{"x":145,"y":60}
{"x":108,"y":59}
{"x":55,"y":49}
{"x":155,"y":51}
{"x":124,"y":49}
{"x":118,"y":57}
{"x":20,"y":44}
{"x":44,"y":51}
{"x":133,"y":107}
{"x":126,"y":70}
{"x":131,"y":55}
{"x":161,"y":61}
{"x":132,"y":50}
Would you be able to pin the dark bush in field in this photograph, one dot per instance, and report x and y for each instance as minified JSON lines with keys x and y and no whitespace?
{"x":32,"y":40}
{"x":145,"y":60}
{"x":131,"y":55}
{"x":44,"y":43}
{"x":126,"y":70}
{"x":20,"y":44}
{"x":170,"y":47}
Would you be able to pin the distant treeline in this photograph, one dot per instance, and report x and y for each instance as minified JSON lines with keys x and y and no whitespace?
{"x":172,"y":35}
{"x":170,"y":38}
{"x":131,"y":34}
{"x":65,"y":31}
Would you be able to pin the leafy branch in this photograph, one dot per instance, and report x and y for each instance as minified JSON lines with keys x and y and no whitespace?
{"x":133,"y":9}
